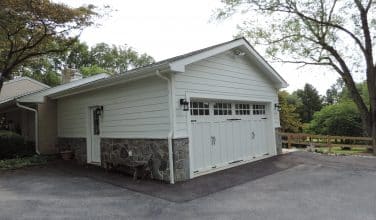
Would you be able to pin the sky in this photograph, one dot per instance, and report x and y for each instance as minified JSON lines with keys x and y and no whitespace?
{"x":167,"y":28}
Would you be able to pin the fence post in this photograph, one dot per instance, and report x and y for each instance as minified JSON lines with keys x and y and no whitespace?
{"x":328,"y":143}
{"x":289,"y":141}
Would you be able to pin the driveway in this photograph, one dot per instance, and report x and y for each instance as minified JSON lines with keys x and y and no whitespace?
{"x":299,"y":185}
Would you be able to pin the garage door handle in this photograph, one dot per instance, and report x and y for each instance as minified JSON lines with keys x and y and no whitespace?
{"x":212,"y":138}
{"x":253,"y":135}
{"x":233,"y":119}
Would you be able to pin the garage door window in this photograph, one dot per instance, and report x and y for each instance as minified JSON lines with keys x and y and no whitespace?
{"x":258,"y":109}
{"x":242,"y":109}
{"x":199,"y":108}
{"x":222,"y":109}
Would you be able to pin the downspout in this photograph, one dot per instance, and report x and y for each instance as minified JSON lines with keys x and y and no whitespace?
{"x":171,"y":132}
{"x":35,"y":123}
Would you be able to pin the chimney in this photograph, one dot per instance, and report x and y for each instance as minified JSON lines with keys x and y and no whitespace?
{"x":69,"y":75}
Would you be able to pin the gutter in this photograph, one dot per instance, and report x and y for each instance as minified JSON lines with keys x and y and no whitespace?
{"x":171,"y":132}
{"x":36,"y":124}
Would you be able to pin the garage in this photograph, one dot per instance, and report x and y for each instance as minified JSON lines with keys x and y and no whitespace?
{"x":225,"y":133}
{"x":184,"y":117}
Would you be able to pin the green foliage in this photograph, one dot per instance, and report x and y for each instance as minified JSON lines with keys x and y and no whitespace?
{"x":309,"y":101}
{"x":105,"y":58}
{"x":338,"y":119}
{"x":16,"y":163}
{"x":290,"y":121}
{"x":33,"y":28}
{"x":13,"y":144}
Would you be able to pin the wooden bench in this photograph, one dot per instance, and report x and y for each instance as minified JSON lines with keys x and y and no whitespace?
{"x":139,"y":167}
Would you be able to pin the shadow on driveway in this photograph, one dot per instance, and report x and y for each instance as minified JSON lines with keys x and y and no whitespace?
{"x":188,"y":190}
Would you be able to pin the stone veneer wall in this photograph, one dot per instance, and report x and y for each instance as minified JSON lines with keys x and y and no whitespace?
{"x":115,"y":151}
{"x":181,"y":159}
{"x":77,"y":145}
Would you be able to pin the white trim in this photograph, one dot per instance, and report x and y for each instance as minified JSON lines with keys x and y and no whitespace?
{"x":39,"y":96}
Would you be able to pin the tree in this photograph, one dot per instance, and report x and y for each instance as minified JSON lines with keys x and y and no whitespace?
{"x":339,"y":119}
{"x":333,"y":94}
{"x":290,"y":121}
{"x":310,"y":102}
{"x":336,"y":34}
{"x":33,"y":28}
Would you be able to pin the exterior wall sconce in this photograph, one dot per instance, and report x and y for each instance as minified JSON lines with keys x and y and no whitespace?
{"x":277,"y":107}
{"x":99,"y":111}
{"x":185,"y":104}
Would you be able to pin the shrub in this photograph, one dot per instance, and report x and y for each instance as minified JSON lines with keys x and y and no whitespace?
{"x":338,"y":119}
{"x":12,"y":145}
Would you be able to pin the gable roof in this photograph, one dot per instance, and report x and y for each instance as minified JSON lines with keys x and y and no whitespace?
{"x":174,"y":64}
{"x":19,"y":87}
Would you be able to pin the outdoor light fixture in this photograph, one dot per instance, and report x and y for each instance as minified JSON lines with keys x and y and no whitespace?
{"x":99,"y":110}
{"x":185,"y":104}
{"x":238,"y":52}
{"x":277,"y":107}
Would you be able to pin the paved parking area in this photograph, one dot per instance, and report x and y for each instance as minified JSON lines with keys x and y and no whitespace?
{"x":309,"y":186}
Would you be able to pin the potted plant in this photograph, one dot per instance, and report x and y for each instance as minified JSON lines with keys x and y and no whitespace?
{"x":66,"y":154}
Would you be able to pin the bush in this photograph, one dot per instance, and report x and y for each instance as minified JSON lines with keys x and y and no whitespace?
{"x":13,"y":145}
{"x":338,"y":119}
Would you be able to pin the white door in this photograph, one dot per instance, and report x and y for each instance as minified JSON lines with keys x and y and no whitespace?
{"x":226,"y":132}
{"x":95,"y":152}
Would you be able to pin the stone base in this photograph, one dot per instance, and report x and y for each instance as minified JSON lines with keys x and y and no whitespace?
{"x":77,"y":145}
{"x":118,"y":152}
{"x":180,"y":149}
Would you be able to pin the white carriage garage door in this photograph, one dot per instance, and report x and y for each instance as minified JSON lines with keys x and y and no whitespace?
{"x":225,"y":133}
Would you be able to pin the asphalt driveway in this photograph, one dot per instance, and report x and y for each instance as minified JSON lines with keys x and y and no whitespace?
{"x":297,"y":186}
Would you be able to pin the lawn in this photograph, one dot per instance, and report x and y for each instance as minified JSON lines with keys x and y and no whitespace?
{"x":16,"y":163}
{"x":340,"y":151}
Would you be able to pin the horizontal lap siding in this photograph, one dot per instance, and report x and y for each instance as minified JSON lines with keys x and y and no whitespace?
{"x":224,"y":74}
{"x":137,"y":109}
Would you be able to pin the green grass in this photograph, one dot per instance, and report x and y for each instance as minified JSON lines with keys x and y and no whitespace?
{"x":339,"y":150}
{"x":16,"y":163}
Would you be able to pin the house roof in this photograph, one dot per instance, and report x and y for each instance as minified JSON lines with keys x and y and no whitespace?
{"x":38,"y":97}
{"x":174,"y":64}
{"x":19,"y":87}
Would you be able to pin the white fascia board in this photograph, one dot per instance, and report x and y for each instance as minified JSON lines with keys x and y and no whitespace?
{"x":110,"y":81}
{"x":39,"y":96}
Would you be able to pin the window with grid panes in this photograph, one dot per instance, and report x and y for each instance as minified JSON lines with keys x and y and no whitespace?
{"x":242,"y":109}
{"x":199,"y":108}
{"x":222,"y":108}
{"x":258,"y":109}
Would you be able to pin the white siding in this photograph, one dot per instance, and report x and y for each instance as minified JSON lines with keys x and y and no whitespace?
{"x":224,"y":75}
{"x":136,"y":109}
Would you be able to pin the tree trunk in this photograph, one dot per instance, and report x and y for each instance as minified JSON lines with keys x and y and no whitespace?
{"x":1,"y":81}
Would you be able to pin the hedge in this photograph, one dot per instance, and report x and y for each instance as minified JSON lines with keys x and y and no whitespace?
{"x":13,"y":145}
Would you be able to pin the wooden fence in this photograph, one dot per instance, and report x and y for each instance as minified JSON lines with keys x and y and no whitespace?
{"x":299,"y":139}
